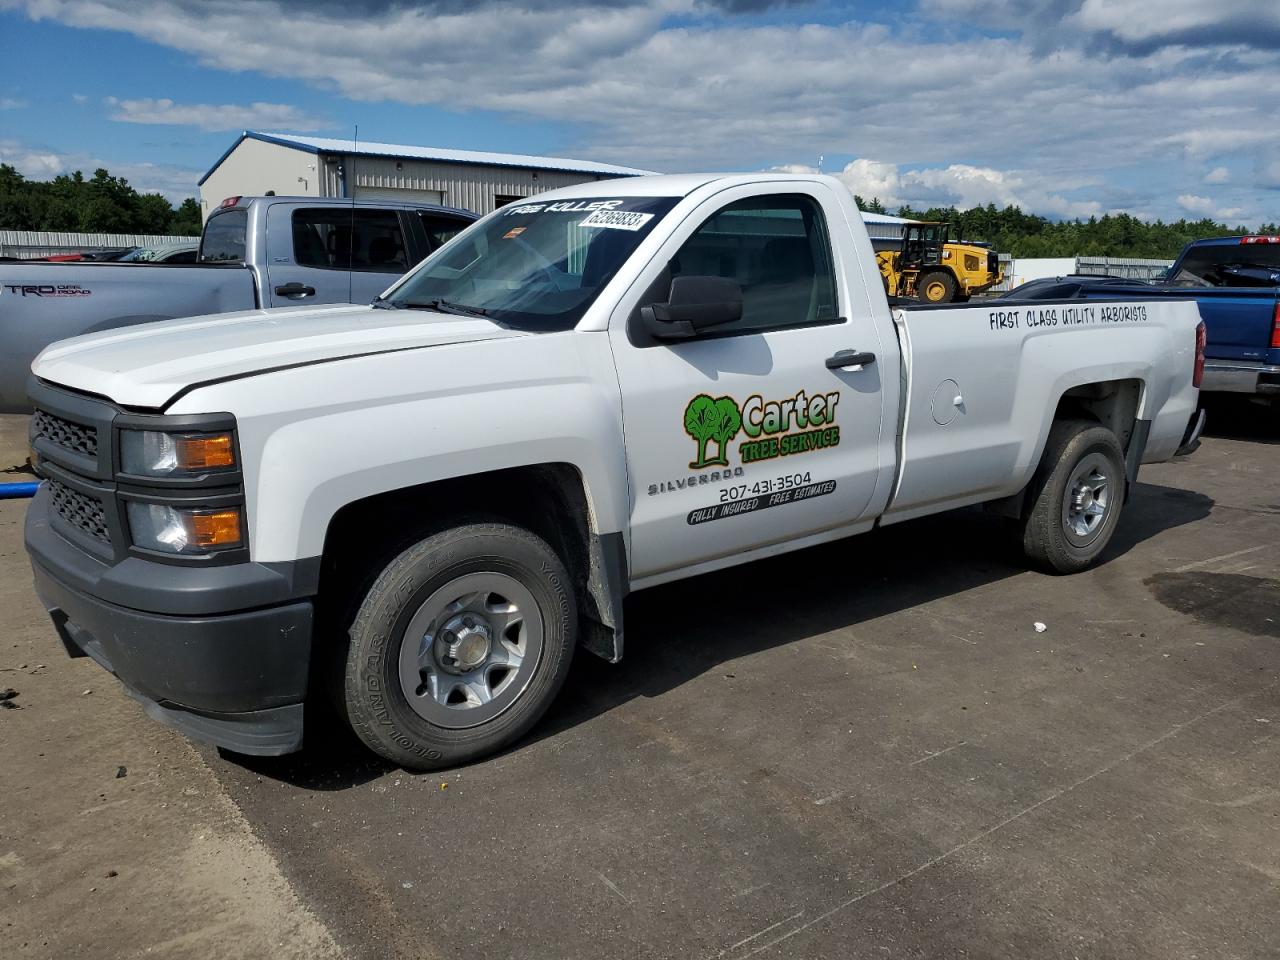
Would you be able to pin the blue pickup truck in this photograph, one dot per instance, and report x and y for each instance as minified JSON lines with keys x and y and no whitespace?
{"x":1235,"y":280}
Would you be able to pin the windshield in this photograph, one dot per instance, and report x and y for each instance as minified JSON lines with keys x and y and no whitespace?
{"x":535,"y":266}
{"x":1230,"y":265}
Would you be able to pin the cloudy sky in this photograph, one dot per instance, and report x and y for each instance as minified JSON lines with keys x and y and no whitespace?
{"x":1161,"y":108}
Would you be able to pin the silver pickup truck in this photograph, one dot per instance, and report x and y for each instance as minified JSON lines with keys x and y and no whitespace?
{"x":256,"y":252}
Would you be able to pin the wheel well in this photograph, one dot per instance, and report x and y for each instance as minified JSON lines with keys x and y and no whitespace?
{"x":1113,"y":403}
{"x":547,"y":499}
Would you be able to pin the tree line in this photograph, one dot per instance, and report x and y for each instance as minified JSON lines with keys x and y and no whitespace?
{"x":1020,"y":234}
{"x":98,"y":204}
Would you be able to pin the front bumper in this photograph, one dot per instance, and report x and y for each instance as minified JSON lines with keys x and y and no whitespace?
{"x":234,"y":678}
{"x":1240,"y":376}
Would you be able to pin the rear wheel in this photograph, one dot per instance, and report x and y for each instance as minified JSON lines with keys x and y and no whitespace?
{"x":936,"y":286}
{"x":459,"y":646}
{"x":1075,"y":497}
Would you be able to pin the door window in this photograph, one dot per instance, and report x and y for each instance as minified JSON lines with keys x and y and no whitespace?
{"x":778,"y":250}
{"x":338,"y":238}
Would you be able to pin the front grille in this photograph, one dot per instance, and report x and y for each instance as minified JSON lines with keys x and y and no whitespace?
{"x":82,"y":511}
{"x":73,"y":436}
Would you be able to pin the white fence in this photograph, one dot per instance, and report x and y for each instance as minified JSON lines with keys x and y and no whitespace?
{"x":44,"y":243}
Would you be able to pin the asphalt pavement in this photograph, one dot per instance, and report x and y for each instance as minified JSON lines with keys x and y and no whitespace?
{"x":861,"y":750}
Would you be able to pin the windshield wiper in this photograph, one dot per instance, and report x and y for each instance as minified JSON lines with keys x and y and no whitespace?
{"x":446,"y":306}
{"x":381,"y":303}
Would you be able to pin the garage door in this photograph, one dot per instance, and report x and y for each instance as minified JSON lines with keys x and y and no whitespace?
{"x":396,"y":193}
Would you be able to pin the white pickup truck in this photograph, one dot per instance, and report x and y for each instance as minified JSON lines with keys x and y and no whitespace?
{"x":425,"y":505}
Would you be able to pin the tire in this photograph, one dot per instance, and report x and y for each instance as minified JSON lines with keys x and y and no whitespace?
{"x":476,"y":611}
{"x":1075,"y":498}
{"x":935,"y":286}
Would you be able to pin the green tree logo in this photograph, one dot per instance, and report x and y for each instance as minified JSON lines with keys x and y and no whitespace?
{"x":707,"y":419}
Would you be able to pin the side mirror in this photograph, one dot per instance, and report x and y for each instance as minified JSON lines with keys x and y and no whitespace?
{"x":694,"y":304}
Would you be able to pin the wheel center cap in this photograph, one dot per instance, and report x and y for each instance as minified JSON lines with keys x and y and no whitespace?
{"x":464,"y":643}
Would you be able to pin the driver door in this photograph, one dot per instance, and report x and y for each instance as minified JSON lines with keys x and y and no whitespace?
{"x":743,"y":436}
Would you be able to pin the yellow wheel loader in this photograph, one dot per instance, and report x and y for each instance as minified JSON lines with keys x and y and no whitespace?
{"x":928,"y":267}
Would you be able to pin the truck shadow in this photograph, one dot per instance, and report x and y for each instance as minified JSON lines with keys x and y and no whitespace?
{"x":674,"y":635}
{"x":1240,"y":418}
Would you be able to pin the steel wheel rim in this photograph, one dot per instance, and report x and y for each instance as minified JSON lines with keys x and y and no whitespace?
{"x":933,"y":291}
{"x":1086,"y":503}
{"x":470,"y":650}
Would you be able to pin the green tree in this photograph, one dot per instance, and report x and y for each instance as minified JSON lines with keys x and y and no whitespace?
{"x":728,"y":421}
{"x":100,"y":204}
{"x":701,"y":419}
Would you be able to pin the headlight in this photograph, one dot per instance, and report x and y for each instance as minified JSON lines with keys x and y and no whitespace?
{"x":184,"y":530}
{"x":150,"y":453}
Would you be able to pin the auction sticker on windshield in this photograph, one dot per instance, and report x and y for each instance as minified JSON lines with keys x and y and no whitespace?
{"x":617,"y":219}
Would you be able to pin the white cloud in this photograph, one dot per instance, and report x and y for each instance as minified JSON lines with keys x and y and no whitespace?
{"x":673,"y":85}
{"x":36,"y":163}
{"x":31,"y":162}
{"x":1137,"y":21}
{"x":208,"y":116}
{"x":11,"y":103}
{"x":960,"y":185}
{"x":79,"y":98}
{"x":1206,"y":207}
{"x":1218,"y":175}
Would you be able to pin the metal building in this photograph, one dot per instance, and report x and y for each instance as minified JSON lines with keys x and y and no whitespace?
{"x":285,"y":164}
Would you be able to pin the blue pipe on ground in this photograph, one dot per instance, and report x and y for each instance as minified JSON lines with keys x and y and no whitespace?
{"x":14,"y":491}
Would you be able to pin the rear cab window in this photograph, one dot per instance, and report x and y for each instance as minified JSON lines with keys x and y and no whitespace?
{"x":1228,"y":265}
{"x":224,"y":237}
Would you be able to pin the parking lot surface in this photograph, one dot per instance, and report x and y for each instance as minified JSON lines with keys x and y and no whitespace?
{"x":861,"y":750}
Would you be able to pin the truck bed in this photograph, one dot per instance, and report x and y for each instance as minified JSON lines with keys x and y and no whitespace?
{"x":41,"y":302}
{"x":982,"y":432}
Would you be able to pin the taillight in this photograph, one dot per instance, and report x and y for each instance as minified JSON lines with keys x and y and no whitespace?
{"x":1275,"y":329}
{"x":229,"y":202}
{"x":1202,"y":337}
{"x":1260,"y":240}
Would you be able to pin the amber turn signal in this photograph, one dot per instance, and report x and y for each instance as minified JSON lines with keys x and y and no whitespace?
{"x":215,"y":529}
{"x":206,"y":452}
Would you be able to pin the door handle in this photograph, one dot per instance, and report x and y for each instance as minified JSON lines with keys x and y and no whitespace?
{"x":295,"y":289}
{"x":849,"y":358}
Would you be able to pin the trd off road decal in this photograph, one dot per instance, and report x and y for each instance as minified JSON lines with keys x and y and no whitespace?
{"x":781,"y":428}
{"x":46,"y":290}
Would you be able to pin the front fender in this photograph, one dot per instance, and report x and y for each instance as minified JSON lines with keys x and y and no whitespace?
{"x":317,"y":438}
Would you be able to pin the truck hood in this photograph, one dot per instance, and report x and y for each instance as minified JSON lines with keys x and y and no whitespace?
{"x":149,"y":364}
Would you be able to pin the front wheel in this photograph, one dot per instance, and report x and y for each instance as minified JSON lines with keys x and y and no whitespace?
{"x":935,"y":286}
{"x":459,"y":646}
{"x":1075,"y":497}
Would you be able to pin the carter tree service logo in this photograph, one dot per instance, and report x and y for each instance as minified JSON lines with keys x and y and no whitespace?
{"x":707,"y":420}
{"x":775,"y":428}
